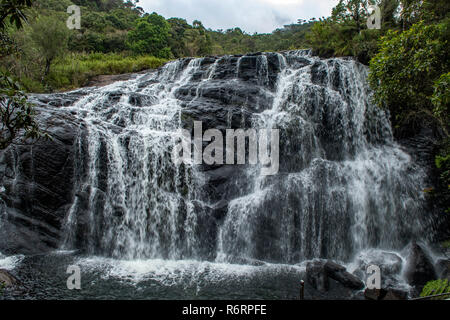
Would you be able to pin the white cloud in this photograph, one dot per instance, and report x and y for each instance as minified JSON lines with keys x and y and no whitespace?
{"x":250,"y":15}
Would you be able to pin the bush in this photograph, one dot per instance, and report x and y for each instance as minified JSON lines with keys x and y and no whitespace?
{"x":436,"y":287}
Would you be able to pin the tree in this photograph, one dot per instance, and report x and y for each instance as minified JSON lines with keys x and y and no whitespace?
{"x":414,"y":11}
{"x":50,"y":35}
{"x":17,"y":123}
{"x":150,"y":36}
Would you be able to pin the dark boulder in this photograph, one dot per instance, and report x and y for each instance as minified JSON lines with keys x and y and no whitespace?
{"x":374,"y":294}
{"x":419,"y":268}
{"x":37,"y":184}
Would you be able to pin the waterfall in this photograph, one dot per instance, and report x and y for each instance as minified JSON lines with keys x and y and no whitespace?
{"x":344,"y":185}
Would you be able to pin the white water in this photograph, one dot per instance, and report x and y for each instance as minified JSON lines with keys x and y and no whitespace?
{"x":344,"y":188}
{"x":10,"y":262}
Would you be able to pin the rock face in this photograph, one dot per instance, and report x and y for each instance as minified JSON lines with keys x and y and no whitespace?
{"x":319,"y":273}
{"x":443,"y":269}
{"x":38,"y":183}
{"x":419,"y":269}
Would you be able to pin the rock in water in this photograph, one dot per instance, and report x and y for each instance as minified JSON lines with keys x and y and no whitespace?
{"x":316,"y":275}
{"x":419,"y":268}
{"x":6,"y":279}
{"x":375,"y":294}
{"x":340,"y":274}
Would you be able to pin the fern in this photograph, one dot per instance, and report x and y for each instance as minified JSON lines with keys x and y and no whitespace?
{"x":436,"y":287}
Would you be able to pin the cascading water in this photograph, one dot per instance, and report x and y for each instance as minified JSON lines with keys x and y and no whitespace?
{"x":343,"y":186}
{"x":138,"y":201}
{"x":344,"y":191}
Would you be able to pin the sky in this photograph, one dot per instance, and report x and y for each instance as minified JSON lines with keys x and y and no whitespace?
{"x":262,"y":16}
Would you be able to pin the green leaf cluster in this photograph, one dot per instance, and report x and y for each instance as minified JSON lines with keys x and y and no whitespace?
{"x":436,"y":287}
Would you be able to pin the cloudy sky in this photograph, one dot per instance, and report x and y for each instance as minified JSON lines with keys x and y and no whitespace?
{"x":250,"y":15}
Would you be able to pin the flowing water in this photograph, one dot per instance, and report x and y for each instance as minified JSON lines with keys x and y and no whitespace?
{"x":345,"y":189}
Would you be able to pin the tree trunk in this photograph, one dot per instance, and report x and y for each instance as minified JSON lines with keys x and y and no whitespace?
{"x":48,"y":63}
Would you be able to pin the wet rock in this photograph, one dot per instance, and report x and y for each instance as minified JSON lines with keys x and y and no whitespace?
{"x":38,"y":185}
{"x":319,"y":273}
{"x":419,"y":268}
{"x":390,"y":265}
{"x":393,"y":294}
{"x":316,"y":275}
{"x":245,"y":261}
{"x":7,"y":279}
{"x":443,"y":269}
{"x":385,"y":294}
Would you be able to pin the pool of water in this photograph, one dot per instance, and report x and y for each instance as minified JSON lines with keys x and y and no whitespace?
{"x":45,"y":277}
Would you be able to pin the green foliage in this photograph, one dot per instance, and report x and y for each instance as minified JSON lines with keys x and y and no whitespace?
{"x":76,"y":69}
{"x":17,"y":124}
{"x":177,"y":32}
{"x":436,"y":287}
{"x":404,"y":72}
